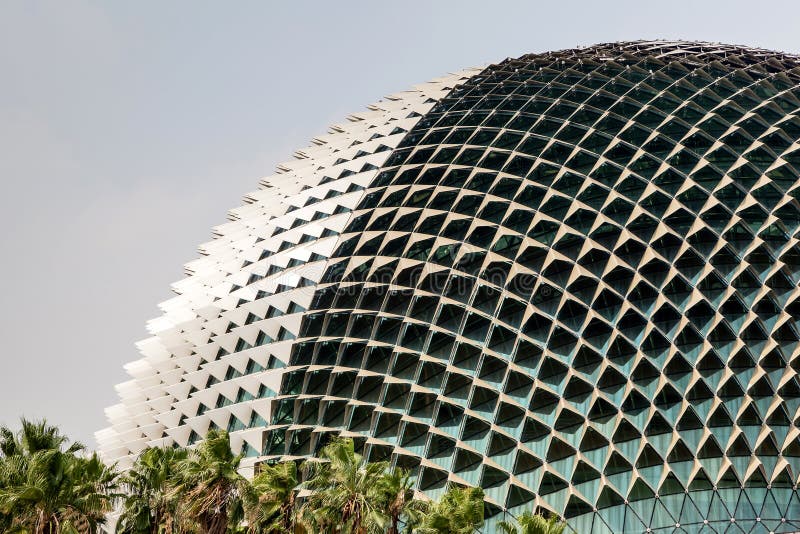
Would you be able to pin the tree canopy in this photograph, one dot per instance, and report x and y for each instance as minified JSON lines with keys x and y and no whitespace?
{"x":49,"y":485}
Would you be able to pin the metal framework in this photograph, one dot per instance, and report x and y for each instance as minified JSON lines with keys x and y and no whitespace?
{"x":570,"y":278}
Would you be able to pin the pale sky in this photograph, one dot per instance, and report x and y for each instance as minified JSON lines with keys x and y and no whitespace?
{"x":128,"y":129}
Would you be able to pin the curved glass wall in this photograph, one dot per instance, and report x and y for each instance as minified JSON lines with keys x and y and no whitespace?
{"x":574,"y":283}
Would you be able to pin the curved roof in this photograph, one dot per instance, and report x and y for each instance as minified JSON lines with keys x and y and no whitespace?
{"x":570,"y":278}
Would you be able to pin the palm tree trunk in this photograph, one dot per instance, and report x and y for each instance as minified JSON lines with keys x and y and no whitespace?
{"x":45,"y":524}
{"x":286,"y":516}
{"x":219,"y":523}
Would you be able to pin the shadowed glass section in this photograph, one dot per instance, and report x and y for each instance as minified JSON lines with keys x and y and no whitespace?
{"x":575,"y":284}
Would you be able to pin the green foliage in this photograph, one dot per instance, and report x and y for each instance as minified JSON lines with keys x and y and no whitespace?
{"x":208,"y":488}
{"x":398,"y":502}
{"x":459,"y":511}
{"x":271,"y":505}
{"x":530,"y":523}
{"x":48,"y":487}
{"x":346,"y":490}
{"x":149,"y":506}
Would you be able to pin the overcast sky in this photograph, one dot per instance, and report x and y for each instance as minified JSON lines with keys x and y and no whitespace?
{"x":128,"y":129}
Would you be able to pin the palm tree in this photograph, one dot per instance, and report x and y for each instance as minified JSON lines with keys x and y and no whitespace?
{"x":530,"y":523}
{"x":398,"y":501}
{"x":46,"y":487}
{"x":271,"y":507}
{"x":458,"y":511}
{"x":32,"y":437}
{"x":346,"y":491}
{"x":91,"y":492}
{"x":208,"y":487}
{"x":148,"y":506}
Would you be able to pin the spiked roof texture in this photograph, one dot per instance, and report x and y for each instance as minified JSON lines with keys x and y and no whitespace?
{"x":570,"y":278}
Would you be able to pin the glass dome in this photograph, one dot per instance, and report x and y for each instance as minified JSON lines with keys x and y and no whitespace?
{"x":569,"y":278}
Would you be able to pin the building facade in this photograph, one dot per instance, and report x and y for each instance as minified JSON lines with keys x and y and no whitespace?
{"x":569,"y":278}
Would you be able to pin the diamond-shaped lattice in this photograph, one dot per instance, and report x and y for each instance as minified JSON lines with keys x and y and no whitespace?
{"x":574,"y":282}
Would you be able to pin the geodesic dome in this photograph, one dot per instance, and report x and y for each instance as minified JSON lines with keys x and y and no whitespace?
{"x":569,"y":278}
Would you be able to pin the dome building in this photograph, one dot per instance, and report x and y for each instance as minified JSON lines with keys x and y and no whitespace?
{"x":569,"y":278}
